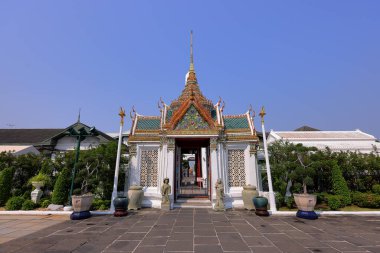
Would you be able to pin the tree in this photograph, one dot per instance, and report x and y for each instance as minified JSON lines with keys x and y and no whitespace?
{"x":292,"y":164}
{"x":339,"y":185}
{"x":5,"y":185}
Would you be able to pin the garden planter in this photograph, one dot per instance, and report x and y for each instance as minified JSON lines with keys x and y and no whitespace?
{"x":248,"y":194}
{"x":37,"y":193}
{"x":135,"y":196}
{"x":81,"y":205}
{"x":305,"y":204}
{"x":121,"y":204}
{"x":261,"y":206}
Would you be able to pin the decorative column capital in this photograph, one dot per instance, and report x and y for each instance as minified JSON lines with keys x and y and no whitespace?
{"x":132,"y":150}
{"x":252,"y":148}
{"x":213,"y":143}
{"x":163,"y":141}
{"x":171,"y":144}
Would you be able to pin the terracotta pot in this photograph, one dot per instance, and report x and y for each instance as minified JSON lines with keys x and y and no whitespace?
{"x":305,"y":202}
{"x":82,"y":203}
{"x":248,"y":194}
{"x":135,"y":196}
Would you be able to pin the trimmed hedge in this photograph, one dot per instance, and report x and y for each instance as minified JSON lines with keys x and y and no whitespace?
{"x":99,"y":204}
{"x":6,"y":176}
{"x":376,"y":188}
{"x":339,"y":185}
{"x":28,"y":205}
{"x":62,"y":187}
{"x":14,"y":203}
{"x":335,"y":201}
{"x":45,"y":203}
{"x":369,"y":200}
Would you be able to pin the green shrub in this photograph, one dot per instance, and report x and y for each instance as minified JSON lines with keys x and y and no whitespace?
{"x":28,"y":205}
{"x":62,"y":187}
{"x":45,"y":203}
{"x":322,"y":197}
{"x":99,"y":204}
{"x":376,"y":188}
{"x":26,"y":194}
{"x":290,"y":202}
{"x":14,"y":203}
{"x":5,"y":185}
{"x":369,"y":200}
{"x":339,"y":185}
{"x":40,"y":177}
{"x":279,"y":199}
{"x":334,"y":201}
{"x":103,"y":207}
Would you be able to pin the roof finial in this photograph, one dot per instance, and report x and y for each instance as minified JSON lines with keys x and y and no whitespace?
{"x":191,"y":52}
{"x":79,"y":116}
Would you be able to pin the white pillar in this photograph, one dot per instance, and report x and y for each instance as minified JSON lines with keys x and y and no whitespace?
{"x":170,"y":168}
{"x":204,"y":165}
{"x":272,"y":201}
{"x":116,"y":177}
{"x":214,"y":167}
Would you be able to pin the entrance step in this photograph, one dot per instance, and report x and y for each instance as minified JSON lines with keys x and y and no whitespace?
{"x":193,"y":203}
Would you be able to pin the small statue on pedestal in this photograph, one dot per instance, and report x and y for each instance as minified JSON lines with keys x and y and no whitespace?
{"x":219,"y":190}
{"x":165,"y":192}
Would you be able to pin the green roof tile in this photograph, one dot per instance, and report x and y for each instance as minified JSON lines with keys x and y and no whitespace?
{"x":148,"y":123}
{"x":169,"y":114}
{"x":236,"y":123}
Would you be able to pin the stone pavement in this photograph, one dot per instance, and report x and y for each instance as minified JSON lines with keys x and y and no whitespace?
{"x":202,"y":230}
{"x":15,"y":226}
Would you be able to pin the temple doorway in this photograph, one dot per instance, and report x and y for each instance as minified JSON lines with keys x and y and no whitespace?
{"x":192,"y":168}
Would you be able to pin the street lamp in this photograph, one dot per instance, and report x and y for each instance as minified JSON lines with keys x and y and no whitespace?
{"x":80,"y":135}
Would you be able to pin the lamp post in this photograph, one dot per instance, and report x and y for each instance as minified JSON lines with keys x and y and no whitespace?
{"x":80,"y":134}
{"x":272,"y":201}
{"x":116,"y":178}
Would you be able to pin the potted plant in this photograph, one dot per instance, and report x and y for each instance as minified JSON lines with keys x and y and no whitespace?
{"x":81,"y":202}
{"x":38,"y":181}
{"x":301,"y":175}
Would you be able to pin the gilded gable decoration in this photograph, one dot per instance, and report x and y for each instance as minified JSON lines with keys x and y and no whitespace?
{"x":192,"y":120}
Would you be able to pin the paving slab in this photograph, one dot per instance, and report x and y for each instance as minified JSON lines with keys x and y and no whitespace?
{"x":189,"y":230}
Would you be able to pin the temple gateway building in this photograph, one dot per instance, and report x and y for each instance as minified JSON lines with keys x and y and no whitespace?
{"x":193,"y":143}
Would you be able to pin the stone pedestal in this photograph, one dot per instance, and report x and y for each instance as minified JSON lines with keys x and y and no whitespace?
{"x":165,"y":207}
{"x":37,"y":193}
{"x":248,"y":194}
{"x":135,"y":195}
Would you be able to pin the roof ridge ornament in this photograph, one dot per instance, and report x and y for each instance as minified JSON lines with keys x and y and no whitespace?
{"x":78,"y":121}
{"x":191,"y":69}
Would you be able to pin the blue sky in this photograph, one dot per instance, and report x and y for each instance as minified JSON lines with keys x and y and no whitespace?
{"x":313,"y":63}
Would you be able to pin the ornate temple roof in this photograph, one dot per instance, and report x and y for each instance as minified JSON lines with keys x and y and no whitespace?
{"x":193,"y":113}
{"x":236,"y":122}
{"x":148,"y":123}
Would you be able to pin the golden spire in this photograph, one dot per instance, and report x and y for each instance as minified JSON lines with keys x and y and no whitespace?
{"x":191,"y":69}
